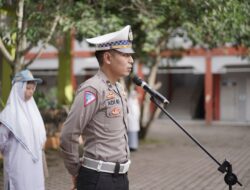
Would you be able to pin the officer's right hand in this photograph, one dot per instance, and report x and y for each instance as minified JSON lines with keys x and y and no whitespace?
{"x":74,"y":183}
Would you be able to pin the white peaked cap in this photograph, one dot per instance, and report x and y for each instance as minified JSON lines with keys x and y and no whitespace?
{"x":120,"y":41}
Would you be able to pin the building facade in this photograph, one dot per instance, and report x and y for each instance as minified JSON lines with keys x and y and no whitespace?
{"x":203,"y":85}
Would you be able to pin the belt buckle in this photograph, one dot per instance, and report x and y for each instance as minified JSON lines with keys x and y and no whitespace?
{"x":99,"y":166}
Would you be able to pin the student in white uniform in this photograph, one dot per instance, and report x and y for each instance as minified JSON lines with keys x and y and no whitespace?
{"x":22,"y":136}
{"x":133,"y":120}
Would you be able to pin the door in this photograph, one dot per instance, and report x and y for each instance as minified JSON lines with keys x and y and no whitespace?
{"x":228,"y":103}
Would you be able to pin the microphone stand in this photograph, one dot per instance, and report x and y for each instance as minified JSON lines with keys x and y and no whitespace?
{"x":230,"y":178}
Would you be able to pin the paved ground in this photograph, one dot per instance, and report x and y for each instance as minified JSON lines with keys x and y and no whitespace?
{"x":169,"y":160}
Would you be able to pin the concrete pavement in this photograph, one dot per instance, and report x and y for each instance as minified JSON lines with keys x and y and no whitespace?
{"x":169,"y":160}
{"x":173,"y":162}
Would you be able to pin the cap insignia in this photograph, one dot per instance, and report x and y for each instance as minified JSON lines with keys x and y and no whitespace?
{"x":130,"y":36}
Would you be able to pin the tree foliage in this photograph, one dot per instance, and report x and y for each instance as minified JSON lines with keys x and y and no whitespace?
{"x":38,"y":21}
{"x":207,"y":23}
{"x":220,"y":22}
{"x":24,"y":24}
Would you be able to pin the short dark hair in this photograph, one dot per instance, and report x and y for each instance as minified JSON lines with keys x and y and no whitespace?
{"x":99,"y":56}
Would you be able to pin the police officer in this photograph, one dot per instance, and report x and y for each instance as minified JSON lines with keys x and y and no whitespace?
{"x":99,"y":115}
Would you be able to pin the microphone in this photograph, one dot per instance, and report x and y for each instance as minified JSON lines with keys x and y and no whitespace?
{"x":146,"y":87}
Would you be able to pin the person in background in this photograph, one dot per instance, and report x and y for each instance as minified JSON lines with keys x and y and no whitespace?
{"x":133,"y":120}
{"x":22,"y":136}
{"x":99,"y":114}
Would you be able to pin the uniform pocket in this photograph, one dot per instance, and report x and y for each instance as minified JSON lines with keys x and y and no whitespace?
{"x":87,"y":179}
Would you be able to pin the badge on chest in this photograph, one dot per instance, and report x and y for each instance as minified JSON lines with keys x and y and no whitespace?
{"x":114,"y":112}
{"x":113,"y":104}
{"x":111,"y":99}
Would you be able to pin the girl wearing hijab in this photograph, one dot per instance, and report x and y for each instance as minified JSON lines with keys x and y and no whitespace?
{"x":22,"y":136}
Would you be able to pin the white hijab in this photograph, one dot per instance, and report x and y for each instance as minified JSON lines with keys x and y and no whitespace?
{"x":24,"y":120}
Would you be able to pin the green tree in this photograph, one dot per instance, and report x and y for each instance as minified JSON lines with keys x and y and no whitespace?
{"x":34,"y":22}
{"x":24,"y":23}
{"x":220,"y":22}
{"x":85,"y":18}
{"x":27,"y":23}
{"x":208,"y":24}
{"x":155,"y":23}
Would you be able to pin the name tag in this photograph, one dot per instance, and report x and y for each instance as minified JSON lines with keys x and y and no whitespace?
{"x":113,"y":102}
